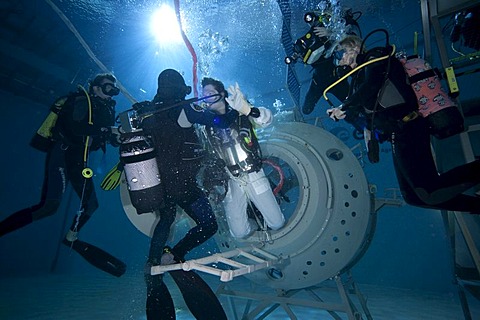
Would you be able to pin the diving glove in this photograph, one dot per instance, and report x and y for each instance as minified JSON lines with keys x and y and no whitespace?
{"x":336,"y":113}
{"x":373,"y":148}
{"x":237,"y":100}
{"x":112,"y":179}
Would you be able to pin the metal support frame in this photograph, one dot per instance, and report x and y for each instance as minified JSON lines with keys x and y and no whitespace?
{"x":451,"y":220}
{"x":238,"y":262}
{"x":252,"y":259}
{"x":393,"y":198}
{"x":432,"y":12}
{"x":261,"y":304}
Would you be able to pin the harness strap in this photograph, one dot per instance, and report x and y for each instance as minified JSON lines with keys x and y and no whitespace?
{"x":422,"y":75}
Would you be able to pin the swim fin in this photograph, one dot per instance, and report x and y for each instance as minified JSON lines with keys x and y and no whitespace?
{"x":199,"y":297}
{"x":98,"y":257}
{"x":112,"y":179}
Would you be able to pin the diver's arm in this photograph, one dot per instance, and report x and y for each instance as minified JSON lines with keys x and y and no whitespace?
{"x":262,"y":117}
{"x":365,"y":96}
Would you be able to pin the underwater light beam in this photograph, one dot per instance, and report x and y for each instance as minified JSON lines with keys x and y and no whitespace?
{"x":164,"y":26}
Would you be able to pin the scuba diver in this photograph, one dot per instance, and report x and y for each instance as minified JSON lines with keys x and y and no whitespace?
{"x":327,"y":26}
{"x":384,"y":105}
{"x":84,"y":124}
{"x":238,"y":147}
{"x":167,"y":119}
{"x":466,"y":28}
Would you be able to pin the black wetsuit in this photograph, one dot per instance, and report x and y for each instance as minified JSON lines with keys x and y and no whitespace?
{"x":65,"y":162}
{"x":179,"y":156}
{"x":323,"y":76}
{"x":324,"y":72}
{"x":419,"y":181}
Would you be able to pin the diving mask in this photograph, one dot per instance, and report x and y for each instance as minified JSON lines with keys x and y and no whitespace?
{"x":109,"y":89}
{"x":338,"y":55}
{"x":211,"y":97}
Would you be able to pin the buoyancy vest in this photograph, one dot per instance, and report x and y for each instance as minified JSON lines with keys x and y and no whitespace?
{"x":44,"y":137}
{"x":99,"y":114}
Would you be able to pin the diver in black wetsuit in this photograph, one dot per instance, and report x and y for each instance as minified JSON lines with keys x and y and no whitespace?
{"x":324,"y":68}
{"x":84,"y":125}
{"x":179,"y":156}
{"x":395,"y":118}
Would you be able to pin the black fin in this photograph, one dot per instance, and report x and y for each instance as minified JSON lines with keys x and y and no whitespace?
{"x":98,"y":257}
{"x":199,"y":297}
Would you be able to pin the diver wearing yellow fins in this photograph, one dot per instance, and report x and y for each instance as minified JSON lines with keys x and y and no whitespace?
{"x":78,"y":124}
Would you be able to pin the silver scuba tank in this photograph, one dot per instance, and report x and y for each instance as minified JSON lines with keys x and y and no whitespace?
{"x":137,"y":152}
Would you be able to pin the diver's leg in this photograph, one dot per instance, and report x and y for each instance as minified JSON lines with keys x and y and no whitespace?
{"x":206,"y":225}
{"x":414,"y":160}
{"x":407,"y":191}
{"x":88,"y":203}
{"x":161,"y":233}
{"x":323,"y":76}
{"x":52,"y":192}
{"x":317,"y":85}
{"x":458,"y":203}
{"x":84,"y":188}
{"x":418,"y":178}
{"x":261,"y":194}
{"x":235,"y":206}
{"x":159,"y":303}
{"x":199,"y":297}
{"x":467,"y":175}
{"x":461,"y":202}
{"x":311,"y":98}
{"x":26,"y":216}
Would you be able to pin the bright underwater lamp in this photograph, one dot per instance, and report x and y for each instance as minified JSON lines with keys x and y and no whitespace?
{"x":164,"y":25}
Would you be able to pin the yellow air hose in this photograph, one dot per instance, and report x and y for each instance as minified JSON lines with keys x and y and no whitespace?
{"x":355,"y":70}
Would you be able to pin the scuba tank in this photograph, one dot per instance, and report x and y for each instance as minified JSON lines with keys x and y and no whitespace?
{"x":43,"y":138}
{"x":434,"y":103}
{"x":237,"y":147}
{"x":138,"y":155}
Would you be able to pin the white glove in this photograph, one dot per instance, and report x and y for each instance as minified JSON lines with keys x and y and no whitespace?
{"x":336,"y":113}
{"x":367,"y":136}
{"x":237,"y":100}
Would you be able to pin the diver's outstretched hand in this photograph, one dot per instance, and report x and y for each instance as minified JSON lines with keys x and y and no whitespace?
{"x":237,"y":100}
